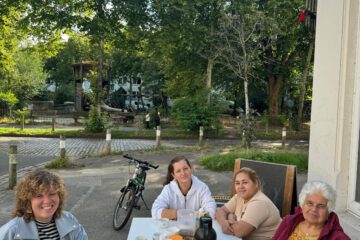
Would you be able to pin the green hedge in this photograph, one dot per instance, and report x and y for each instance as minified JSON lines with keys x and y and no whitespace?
{"x":225,"y":162}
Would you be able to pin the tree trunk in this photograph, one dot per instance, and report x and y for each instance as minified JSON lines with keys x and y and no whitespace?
{"x":275,"y":82}
{"x":245,"y":70}
{"x":141,"y":97}
{"x":303,"y":82}
{"x":246,"y":94}
{"x":130,"y":91}
{"x":210,"y":66}
{"x":99,"y":75}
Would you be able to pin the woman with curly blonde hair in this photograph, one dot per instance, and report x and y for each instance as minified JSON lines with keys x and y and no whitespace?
{"x":39,"y":213}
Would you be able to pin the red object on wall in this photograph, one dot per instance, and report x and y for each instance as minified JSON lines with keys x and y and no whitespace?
{"x":301,"y":17}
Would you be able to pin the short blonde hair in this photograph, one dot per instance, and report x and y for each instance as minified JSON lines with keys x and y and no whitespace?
{"x":36,"y":182}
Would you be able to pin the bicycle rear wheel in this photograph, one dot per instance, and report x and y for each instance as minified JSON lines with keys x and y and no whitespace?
{"x":124,"y":208}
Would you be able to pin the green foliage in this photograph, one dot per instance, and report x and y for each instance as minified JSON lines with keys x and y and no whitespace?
{"x":96,"y":122}
{"x":247,"y":128}
{"x":8,"y":98}
{"x":118,"y":133}
{"x":115,"y":133}
{"x":60,"y":162}
{"x":26,"y":132}
{"x":225,"y":162}
{"x":7,"y":102}
{"x":97,"y":94}
{"x":30,"y":78}
{"x":170,"y":43}
{"x":27,"y":77}
{"x":20,"y":114}
{"x":194,"y":111}
{"x":59,"y":67}
{"x":117,"y":98}
{"x":9,"y":42}
{"x":153,"y":80}
{"x":65,"y":92}
{"x":181,"y":44}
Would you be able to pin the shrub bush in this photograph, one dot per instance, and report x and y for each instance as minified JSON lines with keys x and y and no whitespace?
{"x":96,"y":122}
{"x":193,"y":111}
{"x":59,"y":163}
{"x":247,"y":128}
{"x":225,"y":162}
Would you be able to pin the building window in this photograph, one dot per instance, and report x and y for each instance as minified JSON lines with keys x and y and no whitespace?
{"x":136,"y":80}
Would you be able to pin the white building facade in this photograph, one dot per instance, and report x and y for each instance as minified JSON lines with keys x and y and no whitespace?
{"x":334,"y":154}
{"x":132,"y":86}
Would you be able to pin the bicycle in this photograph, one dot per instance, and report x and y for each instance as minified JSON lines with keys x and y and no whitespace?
{"x":131,"y":192}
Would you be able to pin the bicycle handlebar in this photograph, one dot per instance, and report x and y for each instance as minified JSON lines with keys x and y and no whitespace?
{"x":140,"y":161}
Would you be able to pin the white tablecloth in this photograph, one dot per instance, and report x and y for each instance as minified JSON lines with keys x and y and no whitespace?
{"x":146,"y":227}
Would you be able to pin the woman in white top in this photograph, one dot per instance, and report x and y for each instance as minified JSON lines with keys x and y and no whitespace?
{"x":182,"y":190}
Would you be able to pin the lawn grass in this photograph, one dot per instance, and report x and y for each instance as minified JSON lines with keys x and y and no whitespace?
{"x":141,"y":133}
{"x":37,"y":131}
{"x":225,"y":162}
{"x":59,"y":163}
{"x":115,"y":133}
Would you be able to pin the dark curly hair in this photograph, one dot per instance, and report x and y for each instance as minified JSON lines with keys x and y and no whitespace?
{"x":37,"y":182}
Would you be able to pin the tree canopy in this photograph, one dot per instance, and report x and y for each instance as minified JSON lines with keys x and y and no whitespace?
{"x":251,"y":51}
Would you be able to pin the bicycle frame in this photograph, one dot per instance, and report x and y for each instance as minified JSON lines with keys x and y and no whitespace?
{"x":138,"y":180}
{"x":131,"y":192}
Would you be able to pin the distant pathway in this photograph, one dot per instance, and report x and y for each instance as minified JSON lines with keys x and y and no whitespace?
{"x":33,"y":151}
{"x":74,"y":147}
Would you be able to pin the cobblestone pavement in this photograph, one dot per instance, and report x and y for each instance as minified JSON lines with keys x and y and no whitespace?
{"x":74,"y":147}
{"x":35,"y":151}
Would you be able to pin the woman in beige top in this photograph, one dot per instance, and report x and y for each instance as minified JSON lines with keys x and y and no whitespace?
{"x":249,"y":214}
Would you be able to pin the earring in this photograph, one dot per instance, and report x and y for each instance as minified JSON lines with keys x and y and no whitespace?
{"x":29,"y":211}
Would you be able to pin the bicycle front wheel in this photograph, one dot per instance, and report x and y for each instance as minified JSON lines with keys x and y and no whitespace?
{"x":123,"y":208}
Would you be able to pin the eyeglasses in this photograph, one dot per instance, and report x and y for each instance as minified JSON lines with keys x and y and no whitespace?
{"x":310,"y":204}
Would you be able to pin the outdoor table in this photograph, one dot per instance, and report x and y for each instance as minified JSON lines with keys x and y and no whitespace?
{"x":146,"y":227}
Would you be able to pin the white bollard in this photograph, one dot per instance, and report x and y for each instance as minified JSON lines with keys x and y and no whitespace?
{"x":12,"y":166}
{"x":158,"y":134}
{"x":201,"y":135}
{"x":108,"y":142}
{"x":283,"y":137}
{"x":62,"y":146}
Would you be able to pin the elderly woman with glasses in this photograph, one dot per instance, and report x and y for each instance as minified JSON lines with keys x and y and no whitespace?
{"x":315,"y":219}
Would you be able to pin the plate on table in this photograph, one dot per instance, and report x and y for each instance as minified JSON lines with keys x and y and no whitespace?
{"x":172,"y":230}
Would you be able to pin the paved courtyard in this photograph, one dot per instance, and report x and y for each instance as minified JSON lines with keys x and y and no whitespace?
{"x":36,"y":151}
{"x":74,"y":147}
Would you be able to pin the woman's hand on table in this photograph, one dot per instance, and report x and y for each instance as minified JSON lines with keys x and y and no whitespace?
{"x":169,"y":213}
{"x":226,"y":227}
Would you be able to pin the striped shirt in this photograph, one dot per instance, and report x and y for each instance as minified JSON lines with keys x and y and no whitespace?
{"x":47,"y":231}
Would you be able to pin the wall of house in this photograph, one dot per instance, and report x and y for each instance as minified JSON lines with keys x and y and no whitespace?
{"x":331,"y":142}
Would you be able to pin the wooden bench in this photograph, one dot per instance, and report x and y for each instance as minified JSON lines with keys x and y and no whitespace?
{"x":122,"y":118}
{"x":278,"y":183}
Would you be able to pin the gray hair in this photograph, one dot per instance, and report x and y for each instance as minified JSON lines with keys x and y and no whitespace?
{"x":319,"y":187}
